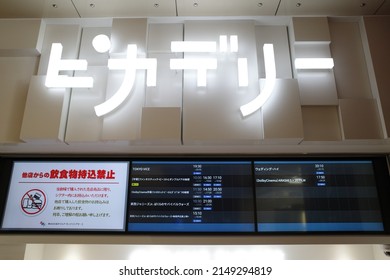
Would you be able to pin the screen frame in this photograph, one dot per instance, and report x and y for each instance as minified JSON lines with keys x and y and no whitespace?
{"x":381,"y":172}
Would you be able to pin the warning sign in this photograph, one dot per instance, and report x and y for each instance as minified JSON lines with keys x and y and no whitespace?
{"x":69,"y":195}
{"x":33,"y":202}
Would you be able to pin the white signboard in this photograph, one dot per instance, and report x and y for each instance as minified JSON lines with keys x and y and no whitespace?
{"x":67,"y":196}
{"x":132,"y":63}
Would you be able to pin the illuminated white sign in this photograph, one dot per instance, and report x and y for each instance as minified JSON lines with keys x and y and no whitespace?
{"x":270,"y":72}
{"x":130,"y":64}
{"x":314,"y":63}
{"x":101,"y":43}
{"x":56,"y":64}
{"x":202,"y":65}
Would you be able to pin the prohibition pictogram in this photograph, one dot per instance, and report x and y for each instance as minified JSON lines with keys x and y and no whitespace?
{"x":33,"y":202}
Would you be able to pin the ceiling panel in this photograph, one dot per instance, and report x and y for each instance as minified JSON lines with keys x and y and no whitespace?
{"x":384,"y":9}
{"x":160,"y":8}
{"x":329,"y":7}
{"x":37,"y":9}
{"x":125,"y":8}
{"x":226,"y":7}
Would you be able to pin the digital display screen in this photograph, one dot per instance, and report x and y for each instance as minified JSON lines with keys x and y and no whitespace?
{"x":196,"y":196}
{"x":317,"y":196}
{"x":67,"y":196}
{"x":247,"y":195}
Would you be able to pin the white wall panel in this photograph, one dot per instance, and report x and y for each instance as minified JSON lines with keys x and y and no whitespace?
{"x":67,"y":35}
{"x":311,"y":37}
{"x":45,"y":113}
{"x":377,"y":29}
{"x":83,"y":125}
{"x":46,"y":109}
{"x":310,"y":29}
{"x":88,"y":52}
{"x":211,"y":114}
{"x":350,"y":69}
{"x":282,"y":114}
{"x":20,"y":37}
{"x":278,"y":36}
{"x":124,"y":124}
{"x":15,"y":74}
{"x":161,"y":126}
{"x":321,"y":123}
{"x":360,"y":119}
{"x":317,"y":87}
{"x":169,"y":89}
{"x":129,"y":31}
{"x":161,"y":35}
{"x":312,"y":49}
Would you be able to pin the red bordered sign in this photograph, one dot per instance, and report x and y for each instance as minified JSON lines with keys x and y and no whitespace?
{"x":33,"y":202}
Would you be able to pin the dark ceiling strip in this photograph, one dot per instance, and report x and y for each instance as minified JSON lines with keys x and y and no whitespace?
{"x":380,"y":6}
{"x":277,"y":8}
{"x":76,"y":8}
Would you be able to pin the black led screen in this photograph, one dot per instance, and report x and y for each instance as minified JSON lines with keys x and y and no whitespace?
{"x":294,"y":196}
{"x":191,"y":196}
{"x":246,"y":195}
